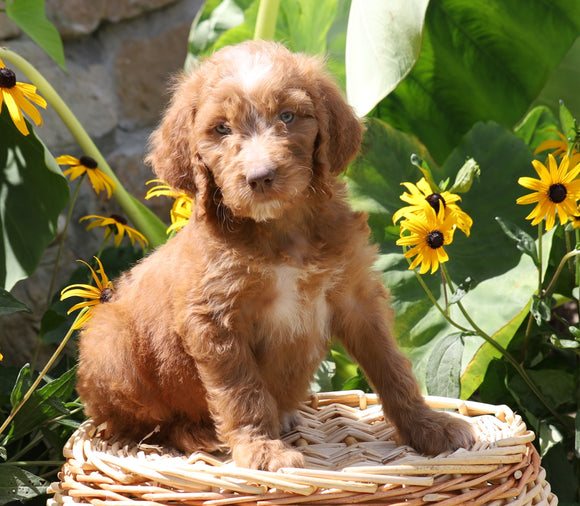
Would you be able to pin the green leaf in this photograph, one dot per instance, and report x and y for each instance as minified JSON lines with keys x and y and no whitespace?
{"x":301,"y":25}
{"x":524,"y":241}
{"x":30,"y":16}
{"x":10,"y":304}
{"x":345,"y":367}
{"x":540,"y":309}
{"x":323,"y":377}
{"x":305,"y":24}
{"x":18,"y":485}
{"x":444,"y":367}
{"x":33,"y":192}
{"x":383,"y":42}
{"x":487,"y":255}
{"x":461,"y":290}
{"x":21,"y":386}
{"x":538,"y":125}
{"x":214,"y":19}
{"x":567,"y":122}
{"x":43,"y":405}
{"x":474,"y":372}
{"x":423,"y":166}
{"x":479,"y":61}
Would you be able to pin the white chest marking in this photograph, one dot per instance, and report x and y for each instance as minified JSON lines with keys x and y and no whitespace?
{"x":293,"y":311}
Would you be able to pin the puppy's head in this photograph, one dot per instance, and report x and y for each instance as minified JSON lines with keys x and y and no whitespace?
{"x":256,"y":129}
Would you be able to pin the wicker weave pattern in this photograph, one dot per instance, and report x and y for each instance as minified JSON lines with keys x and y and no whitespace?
{"x":351,"y":458}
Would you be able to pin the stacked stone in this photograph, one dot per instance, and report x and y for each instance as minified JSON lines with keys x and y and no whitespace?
{"x":120,"y":56}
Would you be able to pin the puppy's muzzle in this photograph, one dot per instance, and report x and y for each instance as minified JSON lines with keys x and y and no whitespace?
{"x":260,"y":179}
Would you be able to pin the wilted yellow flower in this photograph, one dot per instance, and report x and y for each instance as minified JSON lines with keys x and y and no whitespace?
{"x":17,"y":97}
{"x":421,"y":196}
{"x":556,"y":192}
{"x":87,"y":165}
{"x":426,"y":234}
{"x":95,"y":294}
{"x":117,"y":225}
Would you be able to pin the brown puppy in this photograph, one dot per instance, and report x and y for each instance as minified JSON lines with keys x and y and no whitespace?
{"x":215,"y":336}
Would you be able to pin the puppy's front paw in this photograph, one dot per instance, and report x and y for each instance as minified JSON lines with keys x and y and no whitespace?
{"x":435,"y":432}
{"x":266,"y":455}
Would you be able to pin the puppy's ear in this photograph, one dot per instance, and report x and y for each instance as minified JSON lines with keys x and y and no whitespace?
{"x":171,"y":151}
{"x":340,"y":131}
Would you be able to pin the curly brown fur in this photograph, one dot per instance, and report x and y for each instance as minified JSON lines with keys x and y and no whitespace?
{"x":214,"y":337}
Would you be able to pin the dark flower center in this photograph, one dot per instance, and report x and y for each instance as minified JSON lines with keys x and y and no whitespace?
{"x":435,"y":239}
{"x":7,"y":78}
{"x":88,"y":162}
{"x":106,"y":295}
{"x":434,"y":201}
{"x":557,"y":193}
{"x":119,"y":219}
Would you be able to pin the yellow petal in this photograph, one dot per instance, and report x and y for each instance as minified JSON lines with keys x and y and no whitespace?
{"x":15,"y":113}
{"x":67,"y":160}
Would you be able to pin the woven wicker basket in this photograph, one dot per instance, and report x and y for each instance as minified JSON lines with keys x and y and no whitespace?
{"x":350,"y":455}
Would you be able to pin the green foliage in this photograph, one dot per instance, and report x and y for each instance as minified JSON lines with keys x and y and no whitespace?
{"x":28,"y":212}
{"x":450,"y":97}
{"x":479,"y":61}
{"x":30,"y":16}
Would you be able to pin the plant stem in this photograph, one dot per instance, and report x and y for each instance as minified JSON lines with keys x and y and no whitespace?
{"x":25,"y":463}
{"x":47,"y":367}
{"x":266,"y":22}
{"x":505,"y":353}
{"x":540,"y":273}
{"x":155,"y":232}
{"x":565,"y":258}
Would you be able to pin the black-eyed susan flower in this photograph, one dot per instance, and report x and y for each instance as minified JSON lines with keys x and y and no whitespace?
{"x":556,"y":192}
{"x":18,"y":97}
{"x":426,"y":234}
{"x":182,"y":206}
{"x":560,"y":148}
{"x":95,"y":294}
{"x":87,"y":165}
{"x":116,"y":225}
{"x":421,"y":196}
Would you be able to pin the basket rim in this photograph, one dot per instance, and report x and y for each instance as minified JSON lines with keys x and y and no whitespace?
{"x":93,"y":471}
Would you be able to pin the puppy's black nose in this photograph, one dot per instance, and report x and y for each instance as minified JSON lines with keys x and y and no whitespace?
{"x":261,"y":178}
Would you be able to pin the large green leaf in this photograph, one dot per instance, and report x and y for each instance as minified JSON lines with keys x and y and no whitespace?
{"x":383,"y":43}
{"x":33,"y":192}
{"x":505,"y":279}
{"x":30,"y":16}
{"x":480,"y":61}
{"x":18,"y":485}
{"x":9,"y":304}
{"x":43,"y":405}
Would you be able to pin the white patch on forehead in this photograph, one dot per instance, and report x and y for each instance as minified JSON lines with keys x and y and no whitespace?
{"x":252,"y":69}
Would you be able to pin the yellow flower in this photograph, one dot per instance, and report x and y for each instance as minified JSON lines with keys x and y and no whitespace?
{"x":559,"y":148}
{"x":180,"y":213}
{"x":427,"y":234}
{"x":96,"y":294}
{"x":118,"y":225}
{"x":182,"y":207}
{"x":86,"y":164}
{"x":556,"y":192}
{"x":17,"y":97}
{"x":421,"y":196}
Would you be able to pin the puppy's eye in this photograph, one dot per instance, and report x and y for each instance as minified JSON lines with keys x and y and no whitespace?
{"x":223,"y":129}
{"x":287,"y":117}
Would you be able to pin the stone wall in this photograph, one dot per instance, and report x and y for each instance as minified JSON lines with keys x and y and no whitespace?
{"x":120,"y":55}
